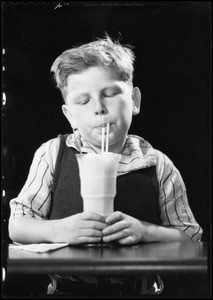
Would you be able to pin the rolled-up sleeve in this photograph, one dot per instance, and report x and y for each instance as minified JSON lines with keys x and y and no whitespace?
{"x":34,"y":199}
{"x":175,"y":209}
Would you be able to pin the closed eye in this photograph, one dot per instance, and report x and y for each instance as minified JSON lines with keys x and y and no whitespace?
{"x":110,"y":95}
{"x":82,"y":101}
{"x":111,"y":92}
{"x":85,"y":101}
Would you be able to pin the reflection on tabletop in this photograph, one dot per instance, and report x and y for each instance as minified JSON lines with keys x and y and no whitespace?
{"x":187,"y":250}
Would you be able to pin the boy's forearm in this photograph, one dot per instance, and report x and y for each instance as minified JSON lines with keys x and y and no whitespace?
{"x":31,"y":230}
{"x":155,"y":233}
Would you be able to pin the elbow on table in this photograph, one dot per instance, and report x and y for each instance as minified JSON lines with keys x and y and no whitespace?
{"x":13,"y":230}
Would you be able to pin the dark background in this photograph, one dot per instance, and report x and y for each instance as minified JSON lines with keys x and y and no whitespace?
{"x":173,"y":48}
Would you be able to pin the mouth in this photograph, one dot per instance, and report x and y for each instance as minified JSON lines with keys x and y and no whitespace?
{"x":103,"y":125}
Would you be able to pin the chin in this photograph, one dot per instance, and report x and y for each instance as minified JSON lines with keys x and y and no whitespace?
{"x":94,"y":142}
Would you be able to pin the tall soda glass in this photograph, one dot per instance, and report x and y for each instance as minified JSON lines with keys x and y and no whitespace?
{"x":98,"y":175}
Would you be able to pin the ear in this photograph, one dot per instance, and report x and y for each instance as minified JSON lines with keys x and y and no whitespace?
{"x":136,"y":99}
{"x":68,"y":115}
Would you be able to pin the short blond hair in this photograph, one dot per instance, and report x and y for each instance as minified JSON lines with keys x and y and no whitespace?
{"x":101,"y":52}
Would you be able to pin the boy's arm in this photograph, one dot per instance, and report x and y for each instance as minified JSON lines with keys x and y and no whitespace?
{"x":80,"y":228}
{"x":30,"y":230}
{"x":128,"y":230}
{"x":155,"y":233}
{"x":175,"y":210}
{"x":28,"y":218}
{"x":34,"y":200}
{"x":30,"y":208}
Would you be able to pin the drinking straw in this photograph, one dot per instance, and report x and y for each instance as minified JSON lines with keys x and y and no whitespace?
{"x":107,"y":137}
{"x":103,"y":139}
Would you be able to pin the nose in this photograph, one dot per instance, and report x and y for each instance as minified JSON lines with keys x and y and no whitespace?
{"x":100,"y":109}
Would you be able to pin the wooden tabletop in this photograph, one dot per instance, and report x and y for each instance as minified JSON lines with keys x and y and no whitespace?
{"x":185,"y":257}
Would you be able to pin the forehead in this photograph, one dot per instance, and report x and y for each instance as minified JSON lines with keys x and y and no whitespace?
{"x":98,"y":77}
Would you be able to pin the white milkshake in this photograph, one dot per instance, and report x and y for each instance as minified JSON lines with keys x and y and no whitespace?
{"x":98,"y":174}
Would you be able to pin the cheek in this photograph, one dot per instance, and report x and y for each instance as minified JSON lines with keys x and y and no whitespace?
{"x":80,"y":115}
{"x":125,"y":111}
{"x":83,"y":122}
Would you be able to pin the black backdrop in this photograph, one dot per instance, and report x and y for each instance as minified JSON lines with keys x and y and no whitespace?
{"x":172,"y":46}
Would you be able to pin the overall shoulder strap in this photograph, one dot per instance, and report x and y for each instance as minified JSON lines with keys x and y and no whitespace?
{"x":59,"y":160}
{"x":66,"y":198}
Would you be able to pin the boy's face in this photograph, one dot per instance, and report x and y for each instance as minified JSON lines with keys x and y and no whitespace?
{"x":94,"y":98}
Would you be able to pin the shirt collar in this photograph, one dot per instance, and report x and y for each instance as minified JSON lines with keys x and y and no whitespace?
{"x":137,"y":152}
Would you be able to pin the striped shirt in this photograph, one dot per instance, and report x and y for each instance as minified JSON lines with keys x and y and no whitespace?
{"x":34,"y":200}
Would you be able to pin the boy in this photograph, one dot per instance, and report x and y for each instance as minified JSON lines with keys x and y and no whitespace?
{"x":96,"y":82}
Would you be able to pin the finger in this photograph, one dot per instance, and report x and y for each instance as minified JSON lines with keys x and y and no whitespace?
{"x":93,"y":225}
{"x":115,"y":217}
{"x":129,"y":240}
{"x":116,"y":236}
{"x":91,"y":232}
{"x":119,"y":226}
{"x":88,"y":239}
{"x":87,"y":215}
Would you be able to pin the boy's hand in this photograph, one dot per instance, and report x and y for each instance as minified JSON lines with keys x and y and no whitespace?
{"x":85,"y":227}
{"x":123,"y":229}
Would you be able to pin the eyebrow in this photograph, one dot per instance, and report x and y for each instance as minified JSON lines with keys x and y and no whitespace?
{"x":114,"y":87}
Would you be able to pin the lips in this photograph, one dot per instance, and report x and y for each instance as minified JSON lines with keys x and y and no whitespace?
{"x":103,"y":125}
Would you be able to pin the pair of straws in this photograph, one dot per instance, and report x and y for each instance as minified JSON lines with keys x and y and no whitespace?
{"x":104,"y":148}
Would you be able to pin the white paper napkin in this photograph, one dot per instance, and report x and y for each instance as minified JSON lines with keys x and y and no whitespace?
{"x":42,"y":247}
